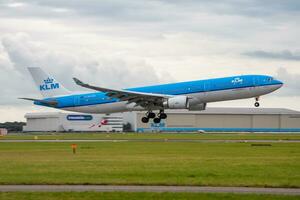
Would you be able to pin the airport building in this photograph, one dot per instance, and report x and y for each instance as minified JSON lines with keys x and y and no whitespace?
{"x":72,"y":122}
{"x":3,"y":131}
{"x":221,"y":119}
{"x":209,"y":120}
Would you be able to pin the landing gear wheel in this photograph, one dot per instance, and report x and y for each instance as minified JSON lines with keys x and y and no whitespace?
{"x":145,"y":119}
{"x":156,"y":120}
{"x":163,"y":116}
{"x":256,"y":104}
{"x":151,"y":115}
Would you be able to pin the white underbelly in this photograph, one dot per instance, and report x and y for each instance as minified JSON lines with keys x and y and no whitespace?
{"x":114,"y":107}
{"x":100,"y":108}
{"x":232,"y":94}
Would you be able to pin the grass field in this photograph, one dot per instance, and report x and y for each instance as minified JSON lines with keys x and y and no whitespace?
{"x":133,"y":196}
{"x":147,"y":163}
{"x":207,"y":136}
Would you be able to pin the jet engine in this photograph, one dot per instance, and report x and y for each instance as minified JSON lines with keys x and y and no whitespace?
{"x":178,"y":102}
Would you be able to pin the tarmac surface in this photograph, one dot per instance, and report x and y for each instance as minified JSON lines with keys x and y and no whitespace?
{"x":140,"y":188}
{"x":158,"y":140}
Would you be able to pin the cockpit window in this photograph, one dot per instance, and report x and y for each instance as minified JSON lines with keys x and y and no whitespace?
{"x":269,"y":79}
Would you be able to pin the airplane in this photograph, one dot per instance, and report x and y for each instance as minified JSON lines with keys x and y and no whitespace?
{"x":190,"y":95}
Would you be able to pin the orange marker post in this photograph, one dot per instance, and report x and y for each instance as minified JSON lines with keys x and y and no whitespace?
{"x":74,"y":147}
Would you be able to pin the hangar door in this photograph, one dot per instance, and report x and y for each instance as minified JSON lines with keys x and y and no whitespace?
{"x":266,"y":121}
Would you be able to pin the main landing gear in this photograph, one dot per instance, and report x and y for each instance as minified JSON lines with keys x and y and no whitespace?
{"x":156,"y":119}
{"x":256,"y":104}
{"x":149,"y":115}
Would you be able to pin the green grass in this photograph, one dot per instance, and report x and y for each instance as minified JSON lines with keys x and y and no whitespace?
{"x":209,"y":136}
{"x":133,"y":196}
{"x":182,"y":163}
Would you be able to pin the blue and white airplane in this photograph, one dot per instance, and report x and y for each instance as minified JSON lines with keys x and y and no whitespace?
{"x":191,"y":95}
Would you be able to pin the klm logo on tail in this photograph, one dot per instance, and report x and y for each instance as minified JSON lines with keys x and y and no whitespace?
{"x":49,"y":85}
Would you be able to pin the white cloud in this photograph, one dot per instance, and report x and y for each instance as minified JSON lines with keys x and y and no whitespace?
{"x":20,"y":51}
{"x":124,"y":43}
{"x":15,"y":4}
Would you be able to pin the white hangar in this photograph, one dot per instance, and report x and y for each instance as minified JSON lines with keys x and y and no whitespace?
{"x":221,"y":120}
{"x":72,"y":122}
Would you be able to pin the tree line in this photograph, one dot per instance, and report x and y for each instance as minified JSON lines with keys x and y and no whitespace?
{"x":13,"y":126}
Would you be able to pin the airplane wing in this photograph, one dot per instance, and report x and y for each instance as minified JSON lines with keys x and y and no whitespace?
{"x":140,"y":98}
{"x":52,"y":103}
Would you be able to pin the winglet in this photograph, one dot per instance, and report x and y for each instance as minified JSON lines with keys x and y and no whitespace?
{"x":77,"y":81}
{"x":30,"y":99}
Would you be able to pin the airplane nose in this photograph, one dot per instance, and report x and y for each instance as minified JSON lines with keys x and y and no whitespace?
{"x":280,"y":83}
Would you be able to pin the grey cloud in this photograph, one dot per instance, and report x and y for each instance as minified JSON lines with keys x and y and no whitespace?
{"x":126,"y":11}
{"x":291,"y":82}
{"x":253,"y":8}
{"x":19,"y":49}
{"x":155,"y":18}
{"x":123,"y":11}
{"x":120,"y":7}
{"x":282,"y":55}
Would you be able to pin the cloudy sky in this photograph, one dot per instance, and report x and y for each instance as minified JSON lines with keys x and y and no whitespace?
{"x":122,"y":43}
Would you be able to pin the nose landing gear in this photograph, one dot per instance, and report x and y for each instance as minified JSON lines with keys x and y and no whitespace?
{"x":256,"y":104}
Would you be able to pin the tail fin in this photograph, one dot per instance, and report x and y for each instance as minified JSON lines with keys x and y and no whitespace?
{"x":46,"y":84}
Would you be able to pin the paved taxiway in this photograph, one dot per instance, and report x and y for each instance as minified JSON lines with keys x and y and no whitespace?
{"x":140,"y":188}
{"x":159,"y":140}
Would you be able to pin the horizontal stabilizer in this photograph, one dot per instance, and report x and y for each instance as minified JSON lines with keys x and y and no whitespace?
{"x":52,"y":103}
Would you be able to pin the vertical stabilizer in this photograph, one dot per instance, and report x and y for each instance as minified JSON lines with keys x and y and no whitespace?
{"x":46,"y":84}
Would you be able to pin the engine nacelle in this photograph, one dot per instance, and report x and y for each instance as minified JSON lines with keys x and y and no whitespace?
{"x":178,"y":102}
{"x":198,"y":107}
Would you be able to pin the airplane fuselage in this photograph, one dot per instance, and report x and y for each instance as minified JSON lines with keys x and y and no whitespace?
{"x":200,"y":91}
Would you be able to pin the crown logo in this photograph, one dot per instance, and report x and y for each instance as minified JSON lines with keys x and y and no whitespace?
{"x":48,"y":80}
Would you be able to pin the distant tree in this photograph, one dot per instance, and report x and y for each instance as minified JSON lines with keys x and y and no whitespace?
{"x":13,"y":126}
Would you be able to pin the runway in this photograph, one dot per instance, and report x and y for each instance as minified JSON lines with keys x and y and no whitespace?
{"x":140,"y":188}
{"x":159,"y":140}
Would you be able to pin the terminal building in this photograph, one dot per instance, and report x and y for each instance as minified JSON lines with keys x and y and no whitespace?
{"x":72,"y":122}
{"x":221,"y":120}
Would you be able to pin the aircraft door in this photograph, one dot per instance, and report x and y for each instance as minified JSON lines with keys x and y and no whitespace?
{"x":77,"y":100}
{"x":206,"y":86}
{"x":255,"y":81}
